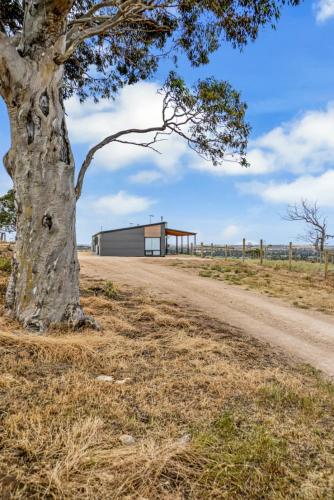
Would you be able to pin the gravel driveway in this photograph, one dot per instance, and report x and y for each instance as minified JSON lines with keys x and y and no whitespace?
{"x":308,"y":335}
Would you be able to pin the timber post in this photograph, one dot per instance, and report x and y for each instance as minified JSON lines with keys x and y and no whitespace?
{"x":326,"y":263}
{"x":290,"y":255}
{"x":261,"y":252}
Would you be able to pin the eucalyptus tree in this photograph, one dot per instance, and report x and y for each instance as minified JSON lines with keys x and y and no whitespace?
{"x":7,"y":212}
{"x":53,"y":49}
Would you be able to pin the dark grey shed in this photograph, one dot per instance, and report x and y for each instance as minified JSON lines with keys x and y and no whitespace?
{"x":148,"y":240}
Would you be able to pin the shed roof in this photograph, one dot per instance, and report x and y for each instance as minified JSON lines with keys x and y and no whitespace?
{"x":168,"y":231}
{"x":130,"y":227}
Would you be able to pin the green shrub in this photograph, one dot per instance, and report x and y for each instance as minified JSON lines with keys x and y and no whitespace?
{"x":110,"y":290}
{"x":5,"y":265}
{"x":205,"y":274}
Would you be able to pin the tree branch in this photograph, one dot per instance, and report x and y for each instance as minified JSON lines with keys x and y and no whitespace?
{"x":108,"y":140}
{"x":12,"y":67}
{"x":88,"y":25}
{"x":205,"y":118}
{"x":310,"y":214}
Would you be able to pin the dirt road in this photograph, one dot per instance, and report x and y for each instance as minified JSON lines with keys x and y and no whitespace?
{"x":305,"y":334}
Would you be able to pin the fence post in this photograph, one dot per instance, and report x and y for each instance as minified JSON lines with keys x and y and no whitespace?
{"x":211,"y":249}
{"x":202,"y":250}
{"x":225,"y":251}
{"x":326,"y":263}
{"x":290,"y":255}
{"x":191,"y":249}
{"x":261,"y":252}
{"x":243,"y":249}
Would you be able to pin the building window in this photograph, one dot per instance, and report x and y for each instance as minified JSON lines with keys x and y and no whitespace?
{"x":152,"y":247}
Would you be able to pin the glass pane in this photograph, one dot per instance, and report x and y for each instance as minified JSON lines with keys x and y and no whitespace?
{"x":152,"y":244}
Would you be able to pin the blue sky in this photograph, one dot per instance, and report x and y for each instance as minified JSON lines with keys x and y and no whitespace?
{"x":287,"y":79}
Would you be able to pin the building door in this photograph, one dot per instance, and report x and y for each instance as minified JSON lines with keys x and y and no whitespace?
{"x":152,"y":247}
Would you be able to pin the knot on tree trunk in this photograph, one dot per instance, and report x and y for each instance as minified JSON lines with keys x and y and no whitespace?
{"x":44,"y":103}
{"x":47,"y":221}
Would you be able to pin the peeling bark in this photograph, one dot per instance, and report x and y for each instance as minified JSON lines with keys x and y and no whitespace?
{"x":43,"y":289}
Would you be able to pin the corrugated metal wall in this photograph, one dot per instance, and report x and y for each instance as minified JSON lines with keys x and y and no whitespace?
{"x":125,"y":243}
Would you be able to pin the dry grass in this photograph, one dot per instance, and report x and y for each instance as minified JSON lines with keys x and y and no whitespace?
{"x":304,"y":286}
{"x":214,"y":413}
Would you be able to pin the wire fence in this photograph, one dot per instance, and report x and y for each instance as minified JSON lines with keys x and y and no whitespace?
{"x":265,"y":251}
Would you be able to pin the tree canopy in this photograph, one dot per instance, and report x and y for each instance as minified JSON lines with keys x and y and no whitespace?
{"x":106,"y":44}
{"x":7,"y":212}
{"x":114,"y":43}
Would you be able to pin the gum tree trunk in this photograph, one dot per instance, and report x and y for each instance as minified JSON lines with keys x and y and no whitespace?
{"x":44,"y":285}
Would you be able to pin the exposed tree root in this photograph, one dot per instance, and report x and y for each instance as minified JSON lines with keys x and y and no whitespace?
{"x":74,"y":318}
{"x":77,"y":319}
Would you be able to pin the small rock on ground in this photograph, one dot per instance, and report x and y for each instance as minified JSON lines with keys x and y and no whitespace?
{"x":123,"y":381}
{"x":105,"y":378}
{"x":127,"y":439}
{"x":185,"y":439}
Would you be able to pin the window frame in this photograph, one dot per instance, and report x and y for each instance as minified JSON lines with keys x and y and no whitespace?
{"x":152,"y":252}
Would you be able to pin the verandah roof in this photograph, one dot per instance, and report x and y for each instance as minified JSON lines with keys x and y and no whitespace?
{"x":177,"y":232}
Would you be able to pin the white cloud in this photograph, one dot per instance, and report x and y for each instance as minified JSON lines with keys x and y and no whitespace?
{"x":302,"y":148}
{"x":302,"y":145}
{"x":260,"y":164}
{"x":137,"y":106}
{"x":122,"y":203}
{"x":314,"y":188}
{"x":230,"y":231}
{"x":146,"y":176}
{"x":324,"y":10}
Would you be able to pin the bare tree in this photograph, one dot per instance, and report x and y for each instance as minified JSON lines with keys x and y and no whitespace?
{"x":53,"y":49}
{"x":317,"y":225}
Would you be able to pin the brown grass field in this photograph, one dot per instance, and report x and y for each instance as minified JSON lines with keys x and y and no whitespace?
{"x":304,"y":286}
{"x":213,"y":414}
